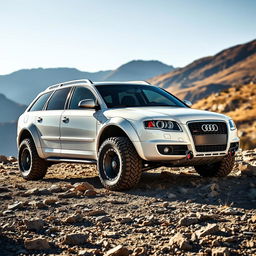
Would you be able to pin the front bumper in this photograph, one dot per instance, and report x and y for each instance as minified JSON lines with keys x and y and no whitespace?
{"x":149,"y":149}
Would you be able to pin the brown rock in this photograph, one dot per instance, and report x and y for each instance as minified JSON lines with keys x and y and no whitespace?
{"x":75,"y":239}
{"x":50,"y":201}
{"x":117,"y":251}
{"x":74,"y":219}
{"x":83,"y":186}
{"x":96,"y":212}
{"x":187,"y":221}
{"x":180,"y":241}
{"x":36,"y":244}
{"x":90,"y":193}
{"x":3,"y":159}
{"x":35,"y":224}
{"x":208,"y":230}
{"x":220,"y":251}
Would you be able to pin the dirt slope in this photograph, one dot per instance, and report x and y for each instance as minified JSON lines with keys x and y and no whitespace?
{"x":233,"y":66}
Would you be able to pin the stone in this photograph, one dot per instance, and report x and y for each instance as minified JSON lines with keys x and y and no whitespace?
{"x":3,"y":159}
{"x":126,"y":220}
{"x":33,"y":191}
{"x":139,"y":251}
{"x":96,"y":212}
{"x":83,"y":186}
{"x":180,"y":241}
{"x":90,"y":193}
{"x":36,"y":244}
{"x":220,"y":251}
{"x":103,"y":219}
{"x":75,"y":239}
{"x":55,"y":188}
{"x":15,"y":206}
{"x":50,"y":201}
{"x":34,"y":224}
{"x":187,"y":221}
{"x":119,"y":250}
{"x":75,"y":218}
{"x":253,"y":219}
{"x":208,"y":230}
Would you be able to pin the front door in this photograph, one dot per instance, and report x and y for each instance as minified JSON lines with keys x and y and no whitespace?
{"x":78,"y":127}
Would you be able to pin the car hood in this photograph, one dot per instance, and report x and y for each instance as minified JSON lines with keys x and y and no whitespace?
{"x":181,"y":115}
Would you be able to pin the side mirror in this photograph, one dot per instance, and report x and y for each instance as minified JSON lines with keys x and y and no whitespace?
{"x":88,"y":103}
{"x":187,"y":102}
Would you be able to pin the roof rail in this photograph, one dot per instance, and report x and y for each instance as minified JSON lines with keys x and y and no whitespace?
{"x":81,"y":81}
{"x":139,"y":82}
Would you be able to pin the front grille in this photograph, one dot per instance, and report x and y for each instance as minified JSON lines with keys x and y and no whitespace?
{"x":196,"y":128}
{"x":210,"y":148}
{"x":209,"y":136}
{"x":172,"y":149}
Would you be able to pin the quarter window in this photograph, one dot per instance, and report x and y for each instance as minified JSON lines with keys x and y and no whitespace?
{"x":58,"y":100}
{"x":40,"y":102}
{"x":80,"y":93}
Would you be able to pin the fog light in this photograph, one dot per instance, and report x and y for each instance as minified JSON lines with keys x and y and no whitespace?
{"x":166,"y":150}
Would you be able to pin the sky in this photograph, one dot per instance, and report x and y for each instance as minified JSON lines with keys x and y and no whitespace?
{"x":104,"y":34}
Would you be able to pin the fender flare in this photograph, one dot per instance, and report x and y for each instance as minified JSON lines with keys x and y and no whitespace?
{"x":127,"y":128}
{"x":32,"y":130}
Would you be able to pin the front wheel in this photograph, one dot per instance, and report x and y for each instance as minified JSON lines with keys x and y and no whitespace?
{"x":31,"y":166}
{"x":119,"y":164}
{"x":219,"y":169}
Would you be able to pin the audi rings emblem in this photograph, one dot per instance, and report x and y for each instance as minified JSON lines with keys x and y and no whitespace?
{"x":210,"y":127}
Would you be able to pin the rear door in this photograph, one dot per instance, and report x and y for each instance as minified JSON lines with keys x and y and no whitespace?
{"x":78,"y":127}
{"x":48,"y":122}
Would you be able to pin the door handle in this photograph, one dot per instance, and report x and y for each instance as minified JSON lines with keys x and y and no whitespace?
{"x":39,"y":119}
{"x":65,"y":119}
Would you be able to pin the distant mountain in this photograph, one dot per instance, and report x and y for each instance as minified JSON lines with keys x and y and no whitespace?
{"x":138,"y":70}
{"x":238,"y":102}
{"x":23,"y":85}
{"x":233,"y":66}
{"x":9,"y":110}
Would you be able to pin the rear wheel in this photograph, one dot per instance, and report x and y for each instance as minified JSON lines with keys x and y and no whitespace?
{"x":31,"y":166}
{"x":119,"y":164}
{"x":218,"y":169}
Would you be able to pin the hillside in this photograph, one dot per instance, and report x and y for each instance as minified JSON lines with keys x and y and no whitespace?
{"x":233,"y":66}
{"x":23,"y":85}
{"x":138,"y":70}
{"x":239,"y":103}
{"x":9,"y":110}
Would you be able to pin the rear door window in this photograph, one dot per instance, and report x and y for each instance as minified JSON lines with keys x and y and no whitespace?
{"x":40,"y":102}
{"x":58,"y":99}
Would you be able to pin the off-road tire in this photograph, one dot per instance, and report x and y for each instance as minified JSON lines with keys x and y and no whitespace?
{"x":130,"y":164}
{"x":218,"y":169}
{"x":38,"y":166}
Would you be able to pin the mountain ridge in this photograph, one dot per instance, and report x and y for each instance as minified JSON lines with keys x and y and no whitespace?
{"x":212,"y":73}
{"x":26,"y":84}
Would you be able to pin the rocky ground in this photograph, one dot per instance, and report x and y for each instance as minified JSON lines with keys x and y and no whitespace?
{"x":170,"y":212}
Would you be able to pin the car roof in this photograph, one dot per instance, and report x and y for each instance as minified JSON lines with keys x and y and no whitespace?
{"x":89,"y":82}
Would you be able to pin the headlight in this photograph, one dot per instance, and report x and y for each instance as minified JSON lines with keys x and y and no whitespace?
{"x":232,"y":124}
{"x":162,"y":125}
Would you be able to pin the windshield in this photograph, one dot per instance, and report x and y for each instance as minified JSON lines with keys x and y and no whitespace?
{"x":133,"y":95}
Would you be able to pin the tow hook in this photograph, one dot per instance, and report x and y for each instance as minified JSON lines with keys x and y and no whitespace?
{"x":189,"y":155}
{"x":231,"y":152}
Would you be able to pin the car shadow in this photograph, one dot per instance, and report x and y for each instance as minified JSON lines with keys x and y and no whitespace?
{"x":237,"y":191}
